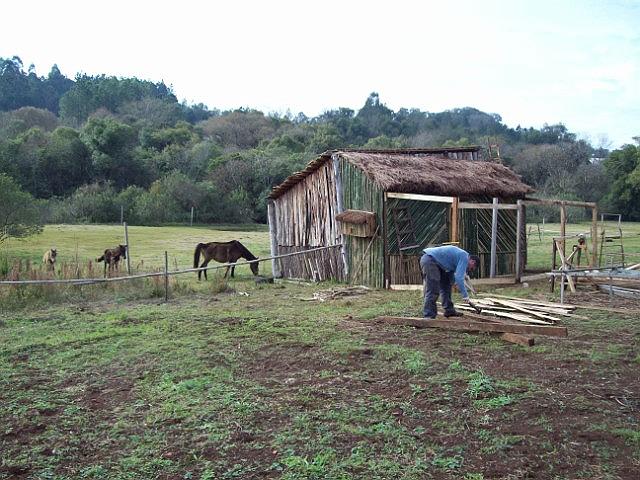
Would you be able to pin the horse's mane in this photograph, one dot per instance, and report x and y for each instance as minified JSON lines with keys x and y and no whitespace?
{"x":245,"y":251}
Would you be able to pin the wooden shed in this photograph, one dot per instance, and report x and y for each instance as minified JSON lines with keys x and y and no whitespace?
{"x":376,"y":210}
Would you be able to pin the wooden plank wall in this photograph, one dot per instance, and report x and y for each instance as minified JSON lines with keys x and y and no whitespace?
{"x":317,"y":266}
{"x":305,"y":218}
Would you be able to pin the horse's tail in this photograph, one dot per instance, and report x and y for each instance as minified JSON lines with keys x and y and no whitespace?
{"x":196,"y":255}
{"x":100,"y":259}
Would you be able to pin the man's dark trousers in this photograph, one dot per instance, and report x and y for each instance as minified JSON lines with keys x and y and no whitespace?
{"x":436,"y":281}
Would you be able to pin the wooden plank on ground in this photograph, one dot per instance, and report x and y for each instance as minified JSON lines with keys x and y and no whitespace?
{"x":518,"y":339}
{"x":476,"y":326}
{"x":521,"y":317}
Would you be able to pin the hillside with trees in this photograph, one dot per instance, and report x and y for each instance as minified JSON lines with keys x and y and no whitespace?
{"x":83,"y":148}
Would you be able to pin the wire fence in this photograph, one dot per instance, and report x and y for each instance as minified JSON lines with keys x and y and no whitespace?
{"x":166,"y":273}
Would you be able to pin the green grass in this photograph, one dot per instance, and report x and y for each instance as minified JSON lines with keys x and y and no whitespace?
{"x":147,"y":244}
{"x":539,"y":246}
{"x":218,"y":385}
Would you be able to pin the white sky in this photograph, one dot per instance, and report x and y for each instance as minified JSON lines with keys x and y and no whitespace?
{"x":575,"y":62}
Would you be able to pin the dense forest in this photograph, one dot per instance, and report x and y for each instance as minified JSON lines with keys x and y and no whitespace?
{"x":86,"y":147}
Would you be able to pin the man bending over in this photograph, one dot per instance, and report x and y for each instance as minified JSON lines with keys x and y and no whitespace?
{"x":441,"y":266}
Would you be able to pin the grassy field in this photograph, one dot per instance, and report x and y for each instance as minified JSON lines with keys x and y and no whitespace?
{"x":255,"y":381}
{"x":147,"y":244}
{"x":539,"y":242}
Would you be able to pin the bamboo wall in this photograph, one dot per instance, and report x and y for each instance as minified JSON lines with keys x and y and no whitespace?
{"x":475,"y":237}
{"x":366,"y":267}
{"x":305,"y":218}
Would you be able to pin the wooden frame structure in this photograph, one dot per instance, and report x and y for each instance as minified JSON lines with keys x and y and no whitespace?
{"x":414,"y":198}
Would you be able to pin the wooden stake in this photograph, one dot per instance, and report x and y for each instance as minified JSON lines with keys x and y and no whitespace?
{"x":126,"y":242}
{"x":166,"y":277}
{"x":594,"y":236}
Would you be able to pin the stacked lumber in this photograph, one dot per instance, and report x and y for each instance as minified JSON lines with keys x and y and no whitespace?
{"x":511,"y":319}
{"x":526,"y":311}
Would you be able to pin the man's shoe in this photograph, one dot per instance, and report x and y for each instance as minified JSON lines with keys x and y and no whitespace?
{"x":453,"y":314}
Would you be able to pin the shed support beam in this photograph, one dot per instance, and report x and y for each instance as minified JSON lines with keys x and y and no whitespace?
{"x":494,"y":237}
{"x":340,"y":206}
{"x":519,"y":235}
{"x":273,"y":238}
{"x":454,"y":220}
{"x":420,"y":197}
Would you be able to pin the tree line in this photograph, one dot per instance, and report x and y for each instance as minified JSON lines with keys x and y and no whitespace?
{"x":86,"y":147}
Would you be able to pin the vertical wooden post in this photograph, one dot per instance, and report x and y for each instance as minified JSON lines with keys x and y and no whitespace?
{"x":126,"y":242}
{"x":191,"y":223}
{"x":594,"y":237}
{"x":166,"y":277}
{"x":563,"y":228}
{"x":386,"y":279}
{"x":553,"y":264}
{"x":519,"y":232}
{"x":454,"y":219}
{"x":494,"y":238}
{"x":273,"y":238}
{"x":121,"y":214}
{"x":340,"y":205}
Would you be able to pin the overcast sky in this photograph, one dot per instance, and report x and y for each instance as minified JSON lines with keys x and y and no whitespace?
{"x":575,"y":62}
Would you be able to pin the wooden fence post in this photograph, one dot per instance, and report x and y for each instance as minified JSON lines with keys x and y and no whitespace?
{"x":166,"y":277}
{"x":563,"y":228}
{"x":494,"y":238}
{"x":594,"y":237}
{"x":191,"y":223}
{"x":121,"y":214}
{"x":126,"y":242}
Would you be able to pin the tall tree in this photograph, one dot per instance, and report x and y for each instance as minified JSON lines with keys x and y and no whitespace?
{"x":19,"y":215}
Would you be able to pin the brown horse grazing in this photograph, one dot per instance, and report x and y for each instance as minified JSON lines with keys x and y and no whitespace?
{"x":223,"y":252}
{"x":49,"y":259}
{"x":112,"y":256}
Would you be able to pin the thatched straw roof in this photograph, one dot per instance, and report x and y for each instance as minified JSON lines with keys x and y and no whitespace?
{"x":425,"y":171}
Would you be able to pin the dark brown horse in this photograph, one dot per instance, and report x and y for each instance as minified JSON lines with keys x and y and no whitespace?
{"x":112,"y":256}
{"x":223,"y":252}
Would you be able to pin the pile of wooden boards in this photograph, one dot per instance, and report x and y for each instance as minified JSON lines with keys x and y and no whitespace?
{"x":513,"y":320}
{"x":526,"y":311}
